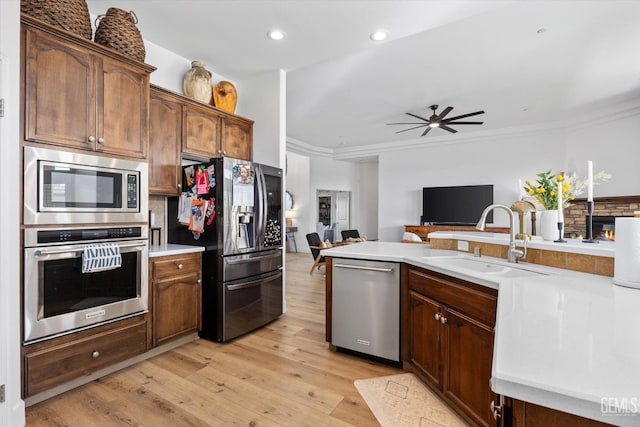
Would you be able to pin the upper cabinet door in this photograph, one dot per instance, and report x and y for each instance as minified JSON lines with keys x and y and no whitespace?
{"x":201,"y":132}
{"x":237,"y":138}
{"x":60,"y":92}
{"x":123,"y":97}
{"x":165,"y":136}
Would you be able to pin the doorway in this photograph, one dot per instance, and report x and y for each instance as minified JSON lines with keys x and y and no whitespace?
{"x":334,"y":213}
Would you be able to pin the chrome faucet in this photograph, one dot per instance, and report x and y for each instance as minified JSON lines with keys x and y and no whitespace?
{"x":513,"y":254}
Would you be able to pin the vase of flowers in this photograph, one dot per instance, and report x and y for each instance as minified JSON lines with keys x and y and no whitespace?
{"x":545,"y":192}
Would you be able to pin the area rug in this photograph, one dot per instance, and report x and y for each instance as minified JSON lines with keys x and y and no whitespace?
{"x":402,"y":400}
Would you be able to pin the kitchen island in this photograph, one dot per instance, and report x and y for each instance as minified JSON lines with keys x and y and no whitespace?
{"x":563,"y":339}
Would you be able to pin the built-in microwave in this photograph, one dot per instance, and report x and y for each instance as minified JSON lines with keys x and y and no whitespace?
{"x":62,"y":187}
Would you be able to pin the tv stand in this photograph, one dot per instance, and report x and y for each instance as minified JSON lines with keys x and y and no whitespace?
{"x":424,"y":230}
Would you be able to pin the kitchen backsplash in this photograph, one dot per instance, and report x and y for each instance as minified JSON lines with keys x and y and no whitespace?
{"x":158,"y":205}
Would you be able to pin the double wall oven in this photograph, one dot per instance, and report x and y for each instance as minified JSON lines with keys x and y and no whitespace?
{"x":85,"y":258}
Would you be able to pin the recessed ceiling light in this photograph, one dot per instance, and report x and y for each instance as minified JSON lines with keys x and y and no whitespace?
{"x":276,"y":34}
{"x":379,"y":35}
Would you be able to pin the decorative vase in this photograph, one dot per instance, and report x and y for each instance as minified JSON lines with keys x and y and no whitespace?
{"x":197,"y":83}
{"x":549,"y":224}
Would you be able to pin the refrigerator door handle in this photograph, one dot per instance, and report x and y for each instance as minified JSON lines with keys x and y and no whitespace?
{"x":252,"y":282}
{"x":262,"y":197}
{"x":253,"y":259}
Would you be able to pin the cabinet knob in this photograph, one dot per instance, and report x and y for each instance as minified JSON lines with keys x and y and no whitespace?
{"x":95,"y":354}
{"x":437,"y":316}
{"x":443,"y":320}
{"x":100,"y":140}
{"x":179,"y":186}
{"x":199,"y":281}
{"x":179,"y":266}
{"x":92,"y":138}
{"x":496,"y":410}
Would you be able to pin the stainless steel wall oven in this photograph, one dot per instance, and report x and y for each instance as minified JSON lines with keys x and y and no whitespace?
{"x":62,"y":294}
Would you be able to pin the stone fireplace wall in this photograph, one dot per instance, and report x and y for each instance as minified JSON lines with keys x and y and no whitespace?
{"x":574,"y":216}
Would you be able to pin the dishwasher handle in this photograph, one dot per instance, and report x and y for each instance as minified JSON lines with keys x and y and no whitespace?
{"x":361,"y":267}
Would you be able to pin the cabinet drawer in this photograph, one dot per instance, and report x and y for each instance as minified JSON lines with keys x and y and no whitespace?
{"x":471,"y":299}
{"x":169,"y":267}
{"x":56,"y":365}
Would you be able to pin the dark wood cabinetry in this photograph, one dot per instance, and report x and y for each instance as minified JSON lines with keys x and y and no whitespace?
{"x":81,"y":96}
{"x":176,"y":295}
{"x":179,"y":127}
{"x":59,"y":360}
{"x":165,"y":136}
{"x":530,"y":415}
{"x":449,"y":339}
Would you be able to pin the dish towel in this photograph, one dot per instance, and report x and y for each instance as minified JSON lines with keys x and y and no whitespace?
{"x":101,"y":257}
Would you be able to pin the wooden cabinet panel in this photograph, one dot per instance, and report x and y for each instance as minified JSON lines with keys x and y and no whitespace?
{"x":425,"y":336}
{"x":468,"y":354}
{"x":176,"y":296}
{"x":165,"y":136}
{"x":54,"y":365}
{"x":80,"y":95}
{"x":527,"y":414}
{"x":475,"y":300}
{"x":60,"y":91}
{"x":237,"y":138}
{"x":450,"y":343}
{"x":122,"y":110}
{"x":201,"y":132}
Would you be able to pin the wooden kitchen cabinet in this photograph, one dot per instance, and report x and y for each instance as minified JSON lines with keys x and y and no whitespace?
{"x":59,"y":360}
{"x":237,"y":138}
{"x":201,"y":132}
{"x":176,"y":295}
{"x":165,"y":139}
{"x":449,"y":335}
{"x":80,"y":95}
{"x":527,"y":414}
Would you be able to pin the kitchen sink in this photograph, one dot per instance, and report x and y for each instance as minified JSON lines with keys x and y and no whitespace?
{"x":492,"y":268}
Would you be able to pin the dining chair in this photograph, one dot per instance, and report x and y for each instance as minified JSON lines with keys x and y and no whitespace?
{"x":315,"y":245}
{"x":346,"y":234}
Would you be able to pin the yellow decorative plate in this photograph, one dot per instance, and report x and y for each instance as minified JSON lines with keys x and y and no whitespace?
{"x":225,"y":96}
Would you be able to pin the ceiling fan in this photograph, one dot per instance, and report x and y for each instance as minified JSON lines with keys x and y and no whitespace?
{"x":439,"y":121}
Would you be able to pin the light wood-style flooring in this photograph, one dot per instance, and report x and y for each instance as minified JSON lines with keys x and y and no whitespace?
{"x":281,"y":375}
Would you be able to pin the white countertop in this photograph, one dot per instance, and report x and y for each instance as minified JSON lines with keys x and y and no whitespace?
{"x":576,"y":246}
{"x":563,"y":339}
{"x":172,"y":249}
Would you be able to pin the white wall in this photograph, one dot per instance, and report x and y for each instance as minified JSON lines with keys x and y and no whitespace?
{"x":297,"y":183}
{"x":500,"y":161}
{"x":366,"y":199}
{"x":12,"y":410}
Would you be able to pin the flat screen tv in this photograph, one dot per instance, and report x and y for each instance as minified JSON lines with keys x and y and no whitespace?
{"x":460,"y":205}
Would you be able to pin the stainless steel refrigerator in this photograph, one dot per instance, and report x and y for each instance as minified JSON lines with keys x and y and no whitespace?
{"x":241,"y":228}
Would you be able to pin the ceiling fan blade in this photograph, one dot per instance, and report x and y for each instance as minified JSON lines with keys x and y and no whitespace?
{"x":406,"y":124}
{"x":418,"y":117}
{"x":444,"y":113}
{"x":404,"y":130}
{"x":465,"y":123}
{"x":426,"y":131}
{"x":463,"y":116}
{"x":447,"y":128}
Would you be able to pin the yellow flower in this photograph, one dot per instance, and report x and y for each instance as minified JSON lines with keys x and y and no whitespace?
{"x":559,"y":178}
{"x":553,"y":193}
{"x":541,"y":190}
{"x":565,"y":187}
{"x":527,"y":182}
{"x":531,"y":191}
{"x":572,"y":197}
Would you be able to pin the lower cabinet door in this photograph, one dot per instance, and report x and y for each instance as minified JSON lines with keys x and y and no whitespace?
{"x":468,"y":350}
{"x":425,"y":336}
{"x":176,"y":308}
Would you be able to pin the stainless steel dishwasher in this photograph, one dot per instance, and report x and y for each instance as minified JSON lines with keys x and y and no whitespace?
{"x":365,"y":307}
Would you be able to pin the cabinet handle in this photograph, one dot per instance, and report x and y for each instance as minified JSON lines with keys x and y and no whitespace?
{"x":179,"y":266}
{"x":100,"y":140}
{"x":496,"y":410}
{"x":437,"y":316}
{"x":92,"y":138}
{"x":443,"y":320}
{"x":95,"y":354}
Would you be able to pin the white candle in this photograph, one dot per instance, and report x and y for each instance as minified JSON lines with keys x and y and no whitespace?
{"x":589,"y":181}
{"x":560,"y":214}
{"x":519,"y":189}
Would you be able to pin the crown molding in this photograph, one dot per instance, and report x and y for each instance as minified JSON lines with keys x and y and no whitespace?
{"x":595,"y":118}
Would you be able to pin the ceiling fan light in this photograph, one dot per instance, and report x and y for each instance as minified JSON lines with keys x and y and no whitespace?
{"x":434,"y":125}
{"x":379,"y":35}
{"x":276,"y":34}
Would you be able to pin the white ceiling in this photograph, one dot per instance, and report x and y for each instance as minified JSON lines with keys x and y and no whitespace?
{"x":342,"y":88}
